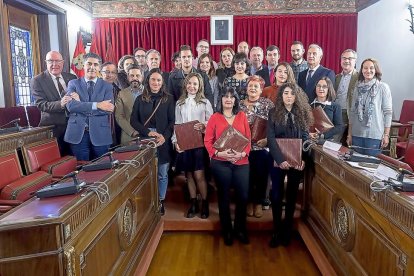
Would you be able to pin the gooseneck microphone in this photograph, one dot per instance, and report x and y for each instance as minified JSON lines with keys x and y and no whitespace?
{"x":96,"y":166}
{"x":59,"y":188}
{"x":14,"y":121}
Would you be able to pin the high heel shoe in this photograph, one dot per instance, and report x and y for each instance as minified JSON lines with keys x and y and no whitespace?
{"x":274,"y":240}
{"x":193,"y":208}
{"x":205,"y":212}
{"x":228,"y":238}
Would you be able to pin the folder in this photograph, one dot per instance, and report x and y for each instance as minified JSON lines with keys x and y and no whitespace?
{"x":187,"y":137}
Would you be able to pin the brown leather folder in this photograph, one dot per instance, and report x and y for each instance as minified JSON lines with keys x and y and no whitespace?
{"x":188,"y":137}
{"x":291,"y":149}
{"x":258,"y":129}
{"x":322,"y":122}
{"x":231,"y":139}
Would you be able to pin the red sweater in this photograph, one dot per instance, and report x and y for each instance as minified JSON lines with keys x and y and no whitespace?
{"x":215,"y":127}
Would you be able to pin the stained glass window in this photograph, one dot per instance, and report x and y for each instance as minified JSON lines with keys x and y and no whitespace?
{"x":22,"y":63}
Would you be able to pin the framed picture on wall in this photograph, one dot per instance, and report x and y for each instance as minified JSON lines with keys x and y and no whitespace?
{"x":221,"y":29}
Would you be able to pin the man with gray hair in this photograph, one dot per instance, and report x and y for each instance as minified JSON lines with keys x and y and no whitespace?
{"x":309,"y":78}
{"x":256,"y":59}
{"x":153,"y":59}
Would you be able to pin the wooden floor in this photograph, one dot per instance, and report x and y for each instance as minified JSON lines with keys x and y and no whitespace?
{"x":204,"y":253}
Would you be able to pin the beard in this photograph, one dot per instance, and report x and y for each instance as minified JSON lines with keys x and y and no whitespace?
{"x":135,"y":84}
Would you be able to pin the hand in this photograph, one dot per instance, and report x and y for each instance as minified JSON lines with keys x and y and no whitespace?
{"x":262,"y":143}
{"x":349,"y":140}
{"x":385,"y":141}
{"x":177,"y":148}
{"x":238,"y":156}
{"x":284,"y":165}
{"x":158,"y":137}
{"x":135,"y":134}
{"x":200,"y":127}
{"x":314,"y":135}
{"x":105,"y":106}
{"x":301,"y":167}
{"x":65,"y":99}
{"x":75,"y":96}
{"x":227,"y":154}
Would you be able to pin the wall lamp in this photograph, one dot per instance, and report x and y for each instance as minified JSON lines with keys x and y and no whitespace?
{"x":411,"y":9}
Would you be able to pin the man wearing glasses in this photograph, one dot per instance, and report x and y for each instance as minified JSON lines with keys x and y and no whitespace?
{"x":203,"y":47}
{"x":49,"y":90}
{"x":139,"y":54}
{"x":345,"y":83}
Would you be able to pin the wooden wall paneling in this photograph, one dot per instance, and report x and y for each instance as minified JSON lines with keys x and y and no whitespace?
{"x":63,"y":40}
{"x":8,"y":87}
{"x":44,"y":39}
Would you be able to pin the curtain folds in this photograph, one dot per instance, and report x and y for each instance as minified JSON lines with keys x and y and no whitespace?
{"x":333,"y":32}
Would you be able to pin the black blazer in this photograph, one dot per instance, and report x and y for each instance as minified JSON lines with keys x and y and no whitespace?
{"x":264,"y":73}
{"x":310,"y":89}
{"x":164,"y":122}
{"x":47,"y":98}
{"x":334,"y":113}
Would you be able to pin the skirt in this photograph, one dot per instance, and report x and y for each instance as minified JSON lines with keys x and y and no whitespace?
{"x":191,"y":160}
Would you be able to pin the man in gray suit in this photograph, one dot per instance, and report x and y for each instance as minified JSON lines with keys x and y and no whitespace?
{"x":345,"y":83}
{"x":89,"y":130}
{"x":49,"y":90}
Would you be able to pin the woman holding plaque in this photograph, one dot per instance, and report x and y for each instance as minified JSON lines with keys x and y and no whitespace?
{"x":193,"y":106}
{"x":257,"y":111}
{"x":291,"y":118}
{"x":283,"y":74}
{"x":153,"y":116}
{"x":230,"y":167}
{"x":324,"y":102}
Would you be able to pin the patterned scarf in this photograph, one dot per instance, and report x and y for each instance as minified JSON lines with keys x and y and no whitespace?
{"x":365,"y":101}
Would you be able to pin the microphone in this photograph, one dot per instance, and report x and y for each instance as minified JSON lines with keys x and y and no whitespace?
{"x":95,"y":166}
{"x":62,"y":188}
{"x":128,"y":148}
{"x":14,"y":121}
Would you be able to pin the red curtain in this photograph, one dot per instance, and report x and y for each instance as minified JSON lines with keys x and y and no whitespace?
{"x":333,"y":32}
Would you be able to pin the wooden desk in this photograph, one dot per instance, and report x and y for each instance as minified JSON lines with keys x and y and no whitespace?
{"x":79,"y":235}
{"x":11,"y":141}
{"x":362,"y":232}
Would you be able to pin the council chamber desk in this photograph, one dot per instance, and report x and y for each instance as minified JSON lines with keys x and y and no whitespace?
{"x":361,"y":232}
{"x":79,"y":234}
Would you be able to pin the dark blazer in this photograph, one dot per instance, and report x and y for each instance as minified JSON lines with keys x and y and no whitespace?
{"x":334,"y":113}
{"x":175,"y":84}
{"x":164,"y":122}
{"x":276,"y":130}
{"x":351,"y":87}
{"x":47,"y":98}
{"x":310,"y":89}
{"x":264,"y":73}
{"x":80,"y":112}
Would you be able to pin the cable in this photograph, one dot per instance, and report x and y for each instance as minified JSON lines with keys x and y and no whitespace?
{"x":307,"y":145}
{"x":101,"y":190}
{"x":376,"y":188}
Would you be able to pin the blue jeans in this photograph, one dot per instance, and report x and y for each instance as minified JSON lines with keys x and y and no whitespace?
{"x":86,"y":151}
{"x":162,"y":179}
{"x":368,"y":146}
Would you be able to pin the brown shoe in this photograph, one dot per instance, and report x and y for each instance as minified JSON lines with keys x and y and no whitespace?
{"x":258,"y":212}
{"x":249,"y":209}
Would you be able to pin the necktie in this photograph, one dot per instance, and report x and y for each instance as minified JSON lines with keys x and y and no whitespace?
{"x":61,"y":91}
{"x":310,"y":73}
{"x":91,"y":84}
{"x":272,"y":76}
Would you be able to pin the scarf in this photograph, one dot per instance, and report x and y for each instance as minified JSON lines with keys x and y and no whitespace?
{"x":365,"y":99}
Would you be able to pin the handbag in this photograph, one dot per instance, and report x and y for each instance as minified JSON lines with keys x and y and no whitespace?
{"x":232,"y":139}
{"x":291,"y":149}
{"x":322,"y":122}
{"x":188,"y":137}
{"x":258,"y":129}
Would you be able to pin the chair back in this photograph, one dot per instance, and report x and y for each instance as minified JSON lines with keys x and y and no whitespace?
{"x":394,"y":162}
{"x":40,"y":153}
{"x":409,"y":153}
{"x":8,"y":114}
{"x":407,"y":115}
{"x":33,"y":113}
{"x":10,"y":169}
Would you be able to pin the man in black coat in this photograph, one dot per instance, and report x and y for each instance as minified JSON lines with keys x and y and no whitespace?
{"x":308,"y":79}
{"x":175,"y":81}
{"x":49,"y":90}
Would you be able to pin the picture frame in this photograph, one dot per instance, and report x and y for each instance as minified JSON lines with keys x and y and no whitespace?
{"x":221,"y":29}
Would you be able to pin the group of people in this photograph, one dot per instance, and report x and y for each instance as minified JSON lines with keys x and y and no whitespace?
{"x":136,"y":98}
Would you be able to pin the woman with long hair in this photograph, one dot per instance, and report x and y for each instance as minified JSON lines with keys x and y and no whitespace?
{"x":370,"y":113}
{"x":283,"y":74}
{"x":325,"y":97}
{"x":229,"y":167}
{"x":291,"y":118}
{"x":241,"y":66}
{"x":205,"y":64}
{"x":193,"y":105}
{"x":153,"y":116}
{"x":257,"y":108}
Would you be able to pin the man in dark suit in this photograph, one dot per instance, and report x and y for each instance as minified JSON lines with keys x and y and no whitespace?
{"x":49,"y":90}
{"x":272,"y":58}
{"x":89,"y":130}
{"x":309,"y":78}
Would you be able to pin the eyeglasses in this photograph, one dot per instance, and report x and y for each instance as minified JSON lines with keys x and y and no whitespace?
{"x":322,"y":86}
{"x":51,"y":61}
{"x":203,"y":47}
{"x":109,"y":72}
{"x":347,"y":58}
{"x":139,"y":56}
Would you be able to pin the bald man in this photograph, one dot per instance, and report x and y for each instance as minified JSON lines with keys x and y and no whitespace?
{"x":49,"y":90}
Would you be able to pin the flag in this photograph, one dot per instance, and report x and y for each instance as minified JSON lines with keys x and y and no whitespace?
{"x":109,"y":55}
{"x":93,"y":48}
{"x":77,"y":60}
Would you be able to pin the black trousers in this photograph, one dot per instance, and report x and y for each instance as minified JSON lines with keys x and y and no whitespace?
{"x":259,"y":161}
{"x":226,"y":175}
{"x":278,"y":191}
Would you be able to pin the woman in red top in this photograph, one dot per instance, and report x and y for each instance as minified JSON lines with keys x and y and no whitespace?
{"x":230,"y":167}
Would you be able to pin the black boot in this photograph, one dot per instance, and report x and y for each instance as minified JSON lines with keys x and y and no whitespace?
{"x":193,"y":208}
{"x":205,"y":212}
{"x":162,"y":208}
{"x":274,"y":240}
